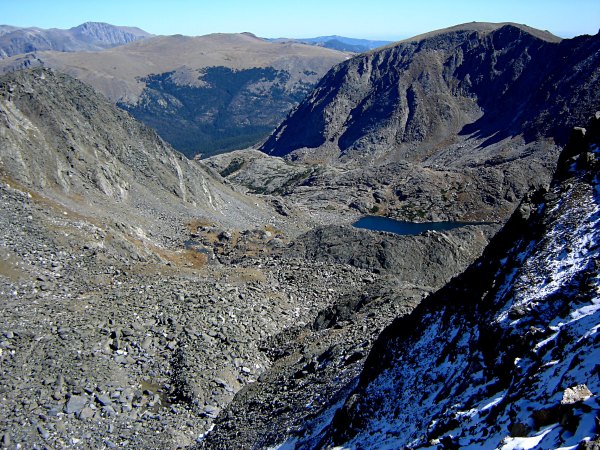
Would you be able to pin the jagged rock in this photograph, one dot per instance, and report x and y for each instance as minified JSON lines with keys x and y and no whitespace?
{"x":103,"y":399}
{"x":590,"y":445}
{"x":519,"y":430}
{"x":44,"y":433}
{"x":576,"y":394}
{"x":86,"y":413}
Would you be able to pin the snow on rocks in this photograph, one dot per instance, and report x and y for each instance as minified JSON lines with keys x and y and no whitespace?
{"x":505,"y":356}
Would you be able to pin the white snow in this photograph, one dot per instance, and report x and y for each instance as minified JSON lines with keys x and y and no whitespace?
{"x":524,"y":443}
{"x":493,"y":403}
{"x":430,"y":387}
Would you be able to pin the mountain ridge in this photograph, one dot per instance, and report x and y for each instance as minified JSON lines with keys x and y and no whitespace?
{"x":335,"y":42}
{"x":483,"y":27}
{"x":538,"y":274}
{"x":92,"y":163}
{"x":488,"y":111}
{"x":161,"y":54}
{"x":454,"y":82}
{"x":88,"y":36}
{"x":160,"y":81}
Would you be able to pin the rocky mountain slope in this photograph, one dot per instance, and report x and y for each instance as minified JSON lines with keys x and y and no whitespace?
{"x":455,"y":121}
{"x":504,"y":356}
{"x":62,"y":138}
{"x":202,"y":94}
{"x":140,"y":291}
{"x":516,"y":352}
{"x":147,"y":300}
{"x":89,"y":36}
{"x":96,"y":212}
{"x":316,"y":363}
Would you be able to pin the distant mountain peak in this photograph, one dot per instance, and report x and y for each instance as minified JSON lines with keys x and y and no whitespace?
{"x":336,"y":42}
{"x":249,"y":34}
{"x":381,"y":101}
{"x":89,"y":36}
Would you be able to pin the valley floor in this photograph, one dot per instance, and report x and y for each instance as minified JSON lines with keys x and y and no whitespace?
{"x":100,"y":350}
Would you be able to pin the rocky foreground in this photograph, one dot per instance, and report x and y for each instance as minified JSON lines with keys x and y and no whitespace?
{"x":151,"y":301}
{"x":97,"y":351}
{"x":140,"y":292}
{"x":505,"y":356}
{"x":100,"y":348}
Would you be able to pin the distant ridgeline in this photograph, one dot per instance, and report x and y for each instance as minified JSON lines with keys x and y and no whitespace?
{"x":340,"y":43}
{"x":229,"y":109}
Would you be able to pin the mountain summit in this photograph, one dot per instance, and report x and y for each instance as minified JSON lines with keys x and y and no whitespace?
{"x":456,"y":124}
{"x":469,"y":86}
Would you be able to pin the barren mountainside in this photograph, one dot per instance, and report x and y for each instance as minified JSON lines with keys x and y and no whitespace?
{"x":203,"y":94}
{"x":140,"y":291}
{"x":61,"y":137}
{"x":467,"y":84}
{"x":505,"y":356}
{"x":455,"y":124}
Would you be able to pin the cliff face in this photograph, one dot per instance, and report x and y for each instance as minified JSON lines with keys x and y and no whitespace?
{"x":505,"y":356}
{"x":409,"y":100}
{"x":456,"y":124}
{"x":105,"y":35}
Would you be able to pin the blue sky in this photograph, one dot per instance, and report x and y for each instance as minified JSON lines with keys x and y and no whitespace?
{"x":372,"y":19}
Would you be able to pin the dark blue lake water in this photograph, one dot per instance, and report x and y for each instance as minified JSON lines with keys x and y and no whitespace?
{"x":377,"y":223}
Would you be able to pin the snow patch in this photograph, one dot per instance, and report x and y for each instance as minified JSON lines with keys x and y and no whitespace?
{"x":524,"y":443}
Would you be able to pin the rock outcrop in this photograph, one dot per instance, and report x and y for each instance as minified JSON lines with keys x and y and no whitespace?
{"x":429,"y":259}
{"x":506,"y":354}
{"x":315,"y":365}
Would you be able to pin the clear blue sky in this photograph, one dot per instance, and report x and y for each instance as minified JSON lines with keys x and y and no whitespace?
{"x":372,"y":19}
